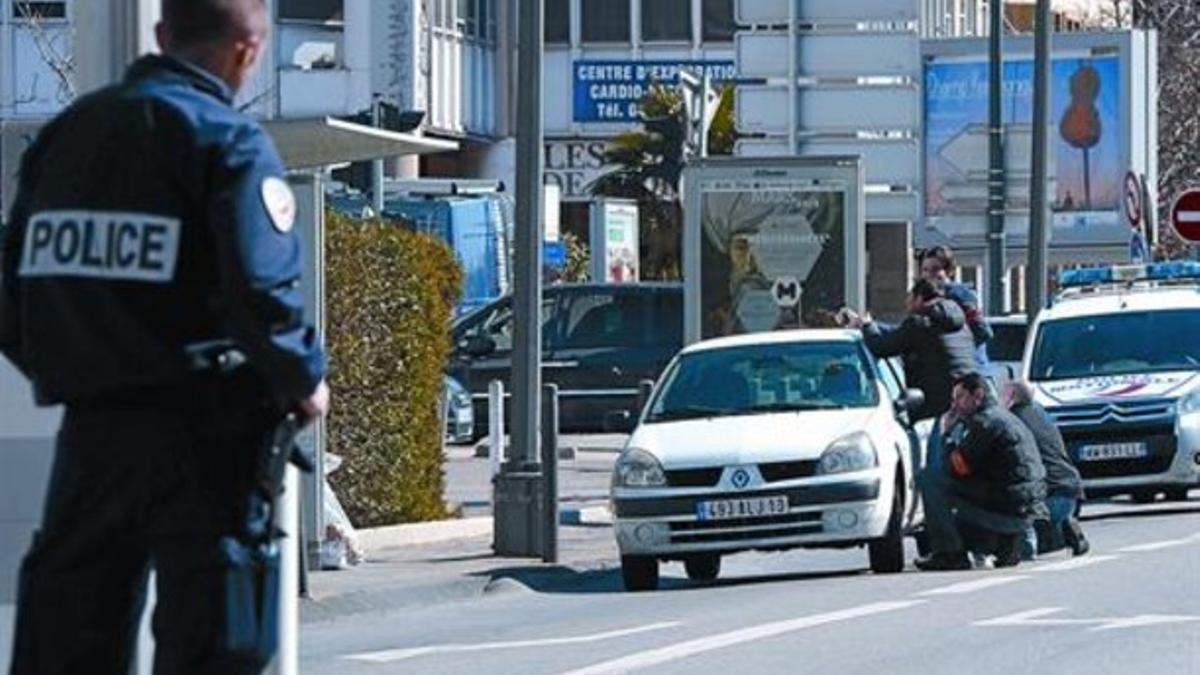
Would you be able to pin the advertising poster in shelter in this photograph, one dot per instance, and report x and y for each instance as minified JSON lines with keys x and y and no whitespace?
{"x":773,"y":254}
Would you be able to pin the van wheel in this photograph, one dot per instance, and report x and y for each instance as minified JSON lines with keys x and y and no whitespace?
{"x":1177,"y":495}
{"x":639,"y":572}
{"x":703,"y":566}
{"x":887,"y":553}
{"x":1144,"y":497}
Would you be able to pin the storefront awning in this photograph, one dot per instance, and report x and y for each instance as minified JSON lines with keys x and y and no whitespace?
{"x":313,"y":142}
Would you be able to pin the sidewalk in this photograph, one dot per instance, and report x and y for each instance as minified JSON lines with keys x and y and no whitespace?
{"x":452,"y":560}
{"x":421,"y":575}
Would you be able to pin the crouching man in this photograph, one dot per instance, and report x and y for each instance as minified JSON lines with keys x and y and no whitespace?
{"x":992,"y":486}
{"x":1064,"y":486}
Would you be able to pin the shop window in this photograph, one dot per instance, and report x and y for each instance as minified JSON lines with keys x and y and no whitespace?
{"x":717,"y":24}
{"x":557,"y":21}
{"x":666,"y":20}
{"x":605,"y":20}
{"x":40,"y":10}
{"x":308,"y":10}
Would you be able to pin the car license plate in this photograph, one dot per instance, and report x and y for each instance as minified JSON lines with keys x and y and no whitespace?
{"x":1107,"y":451}
{"x":751,"y":507}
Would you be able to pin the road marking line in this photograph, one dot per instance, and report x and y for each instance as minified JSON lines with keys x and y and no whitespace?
{"x":390,"y":655}
{"x":1156,"y":545}
{"x":972,"y":586}
{"x":1035,"y":617}
{"x":654,"y":657}
{"x":1074,"y":563}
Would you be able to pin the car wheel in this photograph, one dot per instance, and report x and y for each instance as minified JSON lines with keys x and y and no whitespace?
{"x":1144,"y":496}
{"x":887,"y":553}
{"x":1177,"y":495}
{"x":639,"y":572}
{"x":703,"y":567}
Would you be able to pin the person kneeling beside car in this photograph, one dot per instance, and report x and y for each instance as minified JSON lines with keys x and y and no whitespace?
{"x":991,"y":486}
{"x":1064,"y":486}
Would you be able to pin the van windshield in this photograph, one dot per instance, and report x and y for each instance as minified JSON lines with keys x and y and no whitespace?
{"x":1117,"y":344}
{"x":783,"y":377}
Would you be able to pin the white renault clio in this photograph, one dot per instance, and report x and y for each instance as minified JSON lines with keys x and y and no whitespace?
{"x":768,"y":441}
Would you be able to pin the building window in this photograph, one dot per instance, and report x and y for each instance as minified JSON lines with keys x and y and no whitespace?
{"x":443,"y":14}
{"x":605,"y":20}
{"x":717,"y":23}
{"x":309,"y":10}
{"x":557,"y":22}
{"x":666,"y":20}
{"x":476,"y":19}
{"x":40,"y":10}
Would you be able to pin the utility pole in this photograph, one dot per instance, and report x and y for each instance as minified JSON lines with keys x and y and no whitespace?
{"x":793,"y":67}
{"x":996,"y":196}
{"x":377,"y":164}
{"x":517,"y":503}
{"x":1039,"y":200}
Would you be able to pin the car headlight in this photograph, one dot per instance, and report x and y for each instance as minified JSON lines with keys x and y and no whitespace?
{"x":636,"y":469}
{"x":854,"y":452}
{"x":1190,"y":404}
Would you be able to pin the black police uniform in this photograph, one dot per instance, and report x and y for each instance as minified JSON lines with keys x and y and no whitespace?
{"x":150,"y":217}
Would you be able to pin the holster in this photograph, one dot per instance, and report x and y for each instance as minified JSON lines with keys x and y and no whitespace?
{"x":251,"y":558}
{"x":251,"y":582}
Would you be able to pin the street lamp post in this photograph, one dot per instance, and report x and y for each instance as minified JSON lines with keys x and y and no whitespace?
{"x":1039,"y":200}
{"x":518,"y":503}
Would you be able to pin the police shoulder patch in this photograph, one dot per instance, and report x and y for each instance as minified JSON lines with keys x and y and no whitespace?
{"x":280,"y":203}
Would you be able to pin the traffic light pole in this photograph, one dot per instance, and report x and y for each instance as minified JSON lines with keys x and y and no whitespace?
{"x":1039,"y":200}
{"x":517,"y":505}
{"x":996,"y":178}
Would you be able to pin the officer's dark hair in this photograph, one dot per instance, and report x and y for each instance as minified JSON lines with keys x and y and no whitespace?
{"x":199,"y":22}
{"x":942,"y":254}
{"x":972,"y":382}
{"x":925,"y":290}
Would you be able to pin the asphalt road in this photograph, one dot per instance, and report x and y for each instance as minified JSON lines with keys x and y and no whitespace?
{"x":1130,"y":606}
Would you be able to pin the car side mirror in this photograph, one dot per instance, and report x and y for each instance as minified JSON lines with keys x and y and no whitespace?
{"x":619,"y":421}
{"x":910,"y":400}
{"x":477,"y":346}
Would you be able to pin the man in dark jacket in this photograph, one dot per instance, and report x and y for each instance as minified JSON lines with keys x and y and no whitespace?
{"x":933,"y":342}
{"x":1064,"y":486}
{"x":995,"y":484}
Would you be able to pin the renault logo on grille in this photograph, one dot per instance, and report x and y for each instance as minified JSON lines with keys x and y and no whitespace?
{"x":740,"y":478}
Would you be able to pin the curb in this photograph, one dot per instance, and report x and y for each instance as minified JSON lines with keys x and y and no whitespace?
{"x":415,"y":534}
{"x":499,"y":579}
{"x":588,"y":516}
{"x":387,"y":599}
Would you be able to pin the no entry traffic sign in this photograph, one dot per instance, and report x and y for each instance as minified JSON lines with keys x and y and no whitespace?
{"x":1133,"y":199}
{"x":1185,"y":216}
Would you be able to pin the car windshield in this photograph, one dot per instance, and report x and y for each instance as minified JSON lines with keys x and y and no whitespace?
{"x":1116,"y":344}
{"x":781,"y":377}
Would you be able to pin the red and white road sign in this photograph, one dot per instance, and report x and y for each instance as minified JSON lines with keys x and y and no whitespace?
{"x":1185,"y":216}
{"x":1133,"y":199}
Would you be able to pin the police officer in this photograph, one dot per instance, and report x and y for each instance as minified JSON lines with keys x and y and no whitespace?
{"x":152,"y":221}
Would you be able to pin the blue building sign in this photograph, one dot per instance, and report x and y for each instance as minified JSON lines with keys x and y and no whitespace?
{"x":610,"y":91}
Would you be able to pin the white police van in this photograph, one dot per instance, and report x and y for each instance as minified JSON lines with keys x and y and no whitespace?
{"x":1116,"y":361}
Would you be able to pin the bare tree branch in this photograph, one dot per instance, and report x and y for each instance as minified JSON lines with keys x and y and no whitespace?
{"x":62,"y":65}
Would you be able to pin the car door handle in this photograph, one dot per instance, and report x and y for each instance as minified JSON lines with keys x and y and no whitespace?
{"x":560,"y":364}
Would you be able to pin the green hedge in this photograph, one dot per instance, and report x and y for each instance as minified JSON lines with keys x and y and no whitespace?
{"x":389,"y":297}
